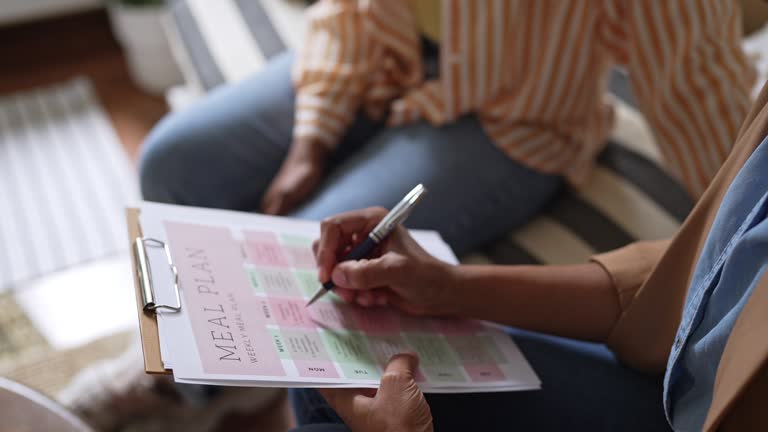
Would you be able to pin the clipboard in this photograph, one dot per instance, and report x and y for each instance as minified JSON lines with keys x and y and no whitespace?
{"x":520,"y":377}
{"x":150,"y":339}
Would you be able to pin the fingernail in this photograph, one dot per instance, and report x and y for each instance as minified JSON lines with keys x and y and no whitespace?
{"x":414,"y":357}
{"x":320,"y":274}
{"x":339,"y":278}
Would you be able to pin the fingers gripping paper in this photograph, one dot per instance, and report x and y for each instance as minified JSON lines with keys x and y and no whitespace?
{"x":244,"y":281}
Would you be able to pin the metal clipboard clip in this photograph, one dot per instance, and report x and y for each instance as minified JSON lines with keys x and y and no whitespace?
{"x":144,"y":272}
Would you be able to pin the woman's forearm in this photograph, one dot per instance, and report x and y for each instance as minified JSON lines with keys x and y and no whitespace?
{"x":575,"y":301}
{"x":310,"y":150}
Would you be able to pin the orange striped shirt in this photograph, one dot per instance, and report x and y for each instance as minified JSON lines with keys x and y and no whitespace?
{"x":534,"y":72}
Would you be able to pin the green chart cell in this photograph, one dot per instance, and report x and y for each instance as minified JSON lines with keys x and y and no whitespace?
{"x":275,"y":281}
{"x":308,"y":282}
{"x":350,"y":350}
{"x":437,"y":359}
{"x":257,"y":287}
{"x":490,"y":345}
{"x":279,"y":343}
{"x":308,"y":285}
{"x":471,"y":349}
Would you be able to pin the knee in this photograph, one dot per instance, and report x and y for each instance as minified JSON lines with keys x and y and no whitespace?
{"x":160,"y":162}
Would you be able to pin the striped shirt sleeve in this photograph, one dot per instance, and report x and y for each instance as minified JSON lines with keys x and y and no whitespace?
{"x":329,"y":73}
{"x":691,"y":80}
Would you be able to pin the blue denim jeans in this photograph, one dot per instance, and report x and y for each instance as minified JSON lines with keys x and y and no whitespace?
{"x":584,"y":388}
{"x":224,"y":152}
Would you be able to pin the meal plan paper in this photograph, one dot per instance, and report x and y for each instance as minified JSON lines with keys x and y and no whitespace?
{"x":244,"y":282}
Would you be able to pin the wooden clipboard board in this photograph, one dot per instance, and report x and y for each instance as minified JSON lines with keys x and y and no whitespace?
{"x":150,"y":340}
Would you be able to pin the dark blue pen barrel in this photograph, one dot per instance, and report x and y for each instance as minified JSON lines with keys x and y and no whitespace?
{"x":359,"y":252}
{"x":362,"y":250}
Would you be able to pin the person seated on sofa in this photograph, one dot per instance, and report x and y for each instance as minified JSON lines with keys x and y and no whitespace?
{"x":489,"y":103}
{"x":694,"y":308}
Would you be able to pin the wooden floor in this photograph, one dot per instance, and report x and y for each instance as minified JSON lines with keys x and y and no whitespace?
{"x":51,"y":51}
{"x":47,"y":52}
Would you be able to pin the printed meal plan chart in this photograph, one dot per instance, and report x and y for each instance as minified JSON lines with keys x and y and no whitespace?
{"x":244,"y":283}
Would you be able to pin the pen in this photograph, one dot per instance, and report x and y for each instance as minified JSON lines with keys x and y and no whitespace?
{"x":393,"y":218}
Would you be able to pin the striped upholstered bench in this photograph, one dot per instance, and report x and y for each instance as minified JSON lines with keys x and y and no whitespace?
{"x":629,"y":196}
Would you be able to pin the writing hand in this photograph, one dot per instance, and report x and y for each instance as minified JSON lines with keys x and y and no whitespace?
{"x":399,"y":273}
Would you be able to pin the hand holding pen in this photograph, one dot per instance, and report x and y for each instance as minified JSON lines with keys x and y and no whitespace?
{"x":399,"y":272}
{"x":376,"y":236}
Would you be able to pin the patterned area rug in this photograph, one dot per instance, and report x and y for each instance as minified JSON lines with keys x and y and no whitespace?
{"x":26,"y":357}
{"x":20,"y":341}
{"x":55,"y":143}
{"x":51,"y":373}
{"x":64,"y":181}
